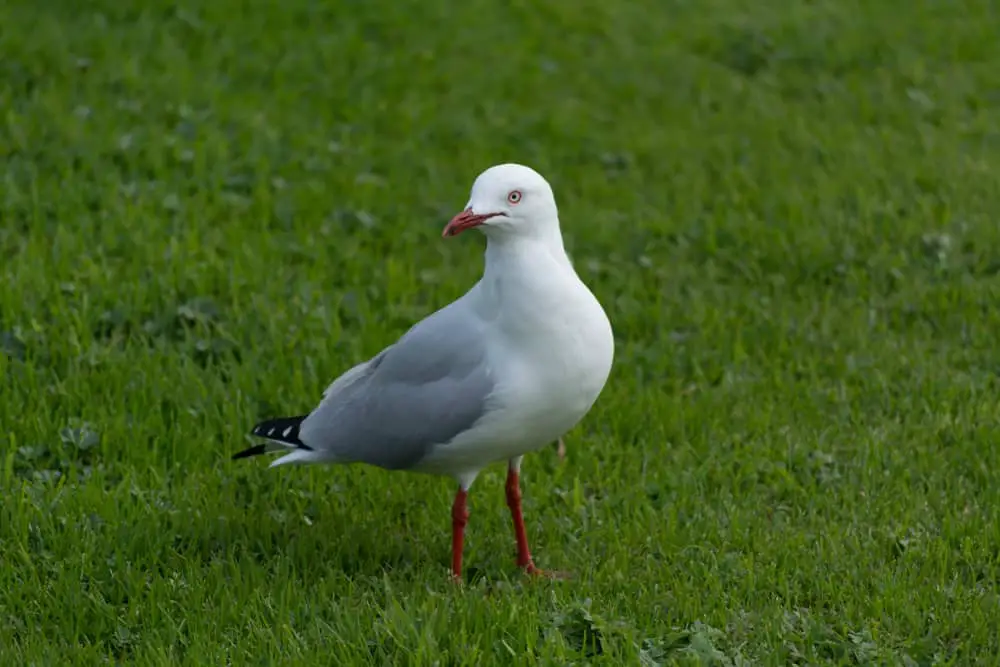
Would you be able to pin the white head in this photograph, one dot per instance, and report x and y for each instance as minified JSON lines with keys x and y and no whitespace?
{"x":508,"y":199}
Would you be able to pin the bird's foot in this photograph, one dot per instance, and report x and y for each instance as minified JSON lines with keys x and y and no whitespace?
{"x":533,"y":571}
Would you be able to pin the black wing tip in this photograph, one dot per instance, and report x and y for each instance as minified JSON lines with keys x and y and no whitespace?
{"x":256,"y":450}
{"x":283,"y":429}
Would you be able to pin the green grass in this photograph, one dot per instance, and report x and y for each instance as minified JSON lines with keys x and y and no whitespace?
{"x":789,"y":210}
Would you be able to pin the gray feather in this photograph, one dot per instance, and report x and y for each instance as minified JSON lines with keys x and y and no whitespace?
{"x":423,"y":391}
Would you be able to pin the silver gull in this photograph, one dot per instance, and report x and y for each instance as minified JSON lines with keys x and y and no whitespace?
{"x":507,"y":368}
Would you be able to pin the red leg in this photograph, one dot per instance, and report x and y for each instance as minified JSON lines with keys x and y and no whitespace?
{"x":459,"y":517}
{"x":523,"y":552}
{"x":514,"y":503}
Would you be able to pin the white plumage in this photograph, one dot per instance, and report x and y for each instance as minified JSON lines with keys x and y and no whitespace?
{"x":504,"y":370}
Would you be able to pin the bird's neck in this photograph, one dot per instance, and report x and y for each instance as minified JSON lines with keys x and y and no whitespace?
{"x":529,"y":285}
{"x":506,"y":249}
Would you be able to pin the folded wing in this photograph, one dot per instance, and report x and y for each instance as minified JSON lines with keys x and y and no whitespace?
{"x":424,"y":390}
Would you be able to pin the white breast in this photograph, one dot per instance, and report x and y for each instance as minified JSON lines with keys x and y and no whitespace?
{"x":550,"y":349}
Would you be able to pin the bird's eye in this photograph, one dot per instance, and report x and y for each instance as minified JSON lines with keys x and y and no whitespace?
{"x":514,"y":196}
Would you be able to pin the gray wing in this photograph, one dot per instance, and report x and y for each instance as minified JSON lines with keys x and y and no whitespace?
{"x":420,"y":392}
{"x":357,"y":373}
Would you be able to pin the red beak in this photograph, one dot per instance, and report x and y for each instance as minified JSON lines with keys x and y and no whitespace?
{"x":466,"y":220}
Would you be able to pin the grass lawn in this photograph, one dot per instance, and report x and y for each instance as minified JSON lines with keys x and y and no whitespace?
{"x":789,"y":210}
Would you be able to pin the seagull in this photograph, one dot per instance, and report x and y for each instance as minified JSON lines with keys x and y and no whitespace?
{"x":505,"y":370}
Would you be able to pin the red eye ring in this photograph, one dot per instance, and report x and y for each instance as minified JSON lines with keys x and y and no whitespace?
{"x":514,"y":196}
